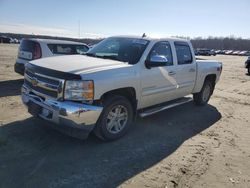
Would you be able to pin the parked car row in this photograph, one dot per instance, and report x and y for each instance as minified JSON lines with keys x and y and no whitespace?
{"x":32,"y":49}
{"x":233,"y":52}
{"x":4,"y":39}
{"x":14,"y":40}
{"x":205,"y":52}
{"x":209,"y":52}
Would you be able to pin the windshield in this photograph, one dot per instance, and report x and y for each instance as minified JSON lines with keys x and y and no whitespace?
{"x":119,"y":48}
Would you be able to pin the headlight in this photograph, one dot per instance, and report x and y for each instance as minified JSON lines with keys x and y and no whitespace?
{"x":79,"y":90}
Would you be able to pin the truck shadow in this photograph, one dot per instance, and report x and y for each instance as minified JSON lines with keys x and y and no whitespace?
{"x":36,"y":156}
{"x":11,"y":87}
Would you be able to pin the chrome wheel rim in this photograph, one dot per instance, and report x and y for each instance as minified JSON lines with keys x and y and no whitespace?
{"x":206,"y":93}
{"x":117,"y":119}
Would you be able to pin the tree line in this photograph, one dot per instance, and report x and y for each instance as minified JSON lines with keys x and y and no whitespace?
{"x":218,"y":43}
{"x":227,"y":43}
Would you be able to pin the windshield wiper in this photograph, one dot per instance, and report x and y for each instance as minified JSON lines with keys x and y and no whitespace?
{"x":113,"y":57}
{"x":90,"y":54}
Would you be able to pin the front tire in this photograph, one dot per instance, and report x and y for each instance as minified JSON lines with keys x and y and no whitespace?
{"x":116,"y":118}
{"x":204,"y":95}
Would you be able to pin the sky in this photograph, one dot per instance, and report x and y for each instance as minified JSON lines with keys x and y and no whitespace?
{"x":103,"y":18}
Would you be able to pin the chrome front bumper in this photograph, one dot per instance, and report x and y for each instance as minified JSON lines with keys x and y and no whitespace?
{"x":67,"y":114}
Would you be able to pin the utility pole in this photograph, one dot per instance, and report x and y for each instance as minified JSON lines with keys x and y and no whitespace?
{"x":79,"y":29}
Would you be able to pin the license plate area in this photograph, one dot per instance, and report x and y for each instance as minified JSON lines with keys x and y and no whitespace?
{"x":25,"y":55}
{"x":34,"y":108}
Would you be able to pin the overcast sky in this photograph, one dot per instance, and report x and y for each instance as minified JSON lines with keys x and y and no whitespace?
{"x":101,"y":18}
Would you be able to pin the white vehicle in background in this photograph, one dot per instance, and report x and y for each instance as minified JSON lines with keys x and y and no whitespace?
{"x":245,"y":53}
{"x":229,"y":52}
{"x":237,"y":52}
{"x":14,"y":41}
{"x":31,"y":49}
{"x":242,"y":53}
{"x":104,"y":90}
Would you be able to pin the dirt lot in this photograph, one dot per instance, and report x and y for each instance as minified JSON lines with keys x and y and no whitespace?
{"x":186,"y":146}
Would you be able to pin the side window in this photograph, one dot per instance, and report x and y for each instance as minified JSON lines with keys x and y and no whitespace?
{"x":162,"y":49}
{"x":65,"y":49}
{"x":184,"y":55}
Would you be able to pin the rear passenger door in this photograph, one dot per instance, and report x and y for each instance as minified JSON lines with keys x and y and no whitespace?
{"x":185,"y":69}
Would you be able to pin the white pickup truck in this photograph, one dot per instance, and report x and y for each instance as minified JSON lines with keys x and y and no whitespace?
{"x":120,"y":78}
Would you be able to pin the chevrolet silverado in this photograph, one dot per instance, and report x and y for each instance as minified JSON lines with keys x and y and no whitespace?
{"x":121,"y":77}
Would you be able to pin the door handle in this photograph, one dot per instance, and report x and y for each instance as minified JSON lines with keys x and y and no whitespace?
{"x":192,"y":70}
{"x":171,"y":73}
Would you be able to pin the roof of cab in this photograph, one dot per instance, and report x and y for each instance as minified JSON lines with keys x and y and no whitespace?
{"x":153,"y":38}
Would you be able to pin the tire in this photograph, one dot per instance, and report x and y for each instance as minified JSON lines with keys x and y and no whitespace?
{"x":109,"y":125}
{"x":248,"y":70}
{"x":204,"y":95}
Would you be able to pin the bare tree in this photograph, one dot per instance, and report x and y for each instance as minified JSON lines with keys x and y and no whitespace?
{"x":220,"y":43}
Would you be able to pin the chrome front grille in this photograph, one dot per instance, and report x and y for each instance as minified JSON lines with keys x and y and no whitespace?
{"x":44,"y":86}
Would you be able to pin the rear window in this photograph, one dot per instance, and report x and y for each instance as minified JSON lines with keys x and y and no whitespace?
{"x":67,"y":49}
{"x":27,"y":45}
{"x":183,"y":52}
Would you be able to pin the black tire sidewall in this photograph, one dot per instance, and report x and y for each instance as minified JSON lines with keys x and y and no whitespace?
{"x":108,"y":105}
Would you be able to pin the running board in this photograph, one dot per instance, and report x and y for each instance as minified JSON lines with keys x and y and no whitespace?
{"x":165,"y":106}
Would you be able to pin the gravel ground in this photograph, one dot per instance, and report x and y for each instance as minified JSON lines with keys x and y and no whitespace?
{"x":186,"y":146}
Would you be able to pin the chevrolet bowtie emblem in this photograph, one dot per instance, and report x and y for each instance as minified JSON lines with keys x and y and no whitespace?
{"x":34,"y":81}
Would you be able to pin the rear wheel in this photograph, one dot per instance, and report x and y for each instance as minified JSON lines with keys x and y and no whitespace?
{"x":204,"y":95}
{"x":115,"y":119}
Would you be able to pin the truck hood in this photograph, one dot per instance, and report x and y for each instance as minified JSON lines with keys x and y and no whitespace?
{"x":78,"y":64}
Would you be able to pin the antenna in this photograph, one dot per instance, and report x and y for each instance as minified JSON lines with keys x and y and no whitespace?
{"x":144,"y":35}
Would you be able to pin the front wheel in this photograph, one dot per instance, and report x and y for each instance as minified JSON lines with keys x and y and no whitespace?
{"x":204,"y":95}
{"x":115,"y":119}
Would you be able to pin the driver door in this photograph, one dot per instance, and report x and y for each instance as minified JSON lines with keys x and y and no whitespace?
{"x":158,"y":83}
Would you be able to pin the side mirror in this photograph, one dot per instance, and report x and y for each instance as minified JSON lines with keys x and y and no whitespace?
{"x":156,"y":61}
